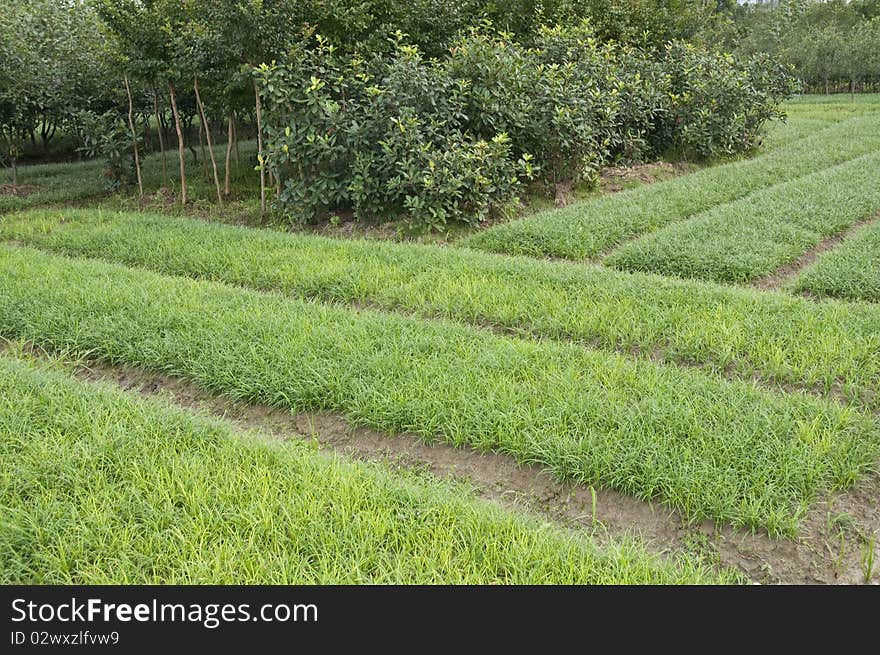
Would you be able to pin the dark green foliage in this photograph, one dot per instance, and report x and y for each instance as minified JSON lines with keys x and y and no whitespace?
{"x":383,"y":136}
{"x":718,"y":102}
{"x":106,"y":136}
{"x":450,"y":139}
{"x":834,"y":46}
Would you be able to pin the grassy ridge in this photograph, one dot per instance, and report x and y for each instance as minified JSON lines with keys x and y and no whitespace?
{"x":750,"y":238}
{"x":851,"y":271}
{"x":587,"y":230}
{"x":770,"y":335}
{"x":100,"y":487}
{"x":712,"y":449}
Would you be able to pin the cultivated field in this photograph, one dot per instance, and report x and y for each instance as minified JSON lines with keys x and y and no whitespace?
{"x":674,"y":383}
{"x":730,"y":223}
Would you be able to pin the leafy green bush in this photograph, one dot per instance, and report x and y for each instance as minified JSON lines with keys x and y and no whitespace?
{"x":106,"y":136}
{"x":718,"y":103}
{"x":539,"y":100}
{"x":381,"y":136}
{"x":452,"y":139}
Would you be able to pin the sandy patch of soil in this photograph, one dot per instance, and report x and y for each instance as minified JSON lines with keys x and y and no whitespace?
{"x":18,"y":190}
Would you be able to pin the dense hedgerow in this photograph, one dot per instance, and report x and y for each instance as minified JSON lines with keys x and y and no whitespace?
{"x":717,"y":102}
{"x":452,"y":139}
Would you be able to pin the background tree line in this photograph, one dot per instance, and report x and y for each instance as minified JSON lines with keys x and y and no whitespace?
{"x":114,"y":79}
{"x":101,"y":77}
{"x":834,"y":46}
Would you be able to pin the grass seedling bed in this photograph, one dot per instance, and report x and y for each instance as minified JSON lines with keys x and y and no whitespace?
{"x":587,"y":230}
{"x":744,"y":240}
{"x":100,"y":487}
{"x":830,"y":347}
{"x":710,"y":448}
{"x":851,"y":270}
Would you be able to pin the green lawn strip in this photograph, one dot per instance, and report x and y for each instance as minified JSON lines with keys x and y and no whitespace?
{"x":805,"y":120}
{"x":843,"y":101}
{"x":72,"y":181}
{"x":100,"y":487}
{"x":587,"y":230}
{"x":795,"y":129}
{"x":851,"y":270}
{"x":52,"y":183}
{"x":707,"y":447}
{"x":756,"y":235}
{"x":780,"y":339}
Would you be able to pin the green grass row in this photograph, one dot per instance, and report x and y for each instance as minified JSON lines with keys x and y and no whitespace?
{"x":805,"y":118}
{"x":587,"y":230}
{"x":754,"y":236}
{"x":851,"y":271}
{"x":710,"y":448}
{"x":99,"y":487}
{"x":840,"y":100}
{"x":73,"y":181}
{"x":773,"y":336}
{"x":807,"y":115}
{"x":53,"y":183}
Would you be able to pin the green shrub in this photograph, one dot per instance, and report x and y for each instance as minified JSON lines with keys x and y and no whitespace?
{"x":717,"y":103}
{"x":538,"y":97}
{"x":106,"y":136}
{"x":452,"y":139}
{"x":381,"y":136}
{"x":625,"y":86}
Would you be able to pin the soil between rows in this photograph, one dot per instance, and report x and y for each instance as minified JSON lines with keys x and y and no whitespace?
{"x":778,"y":278}
{"x":833,"y":547}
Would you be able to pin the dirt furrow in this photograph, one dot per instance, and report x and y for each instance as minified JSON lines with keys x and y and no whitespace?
{"x":781,"y":276}
{"x":835,"y":545}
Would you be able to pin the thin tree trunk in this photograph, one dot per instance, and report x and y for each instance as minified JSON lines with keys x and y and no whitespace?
{"x":202,"y":148}
{"x":45,"y":137}
{"x":134,"y":138}
{"x":161,"y":137}
{"x":12,"y":163}
{"x":237,"y":153}
{"x":228,"y":156}
{"x":208,"y":138}
{"x":180,"y":145}
{"x":260,"y":149}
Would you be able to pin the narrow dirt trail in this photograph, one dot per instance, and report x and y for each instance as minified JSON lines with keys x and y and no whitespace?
{"x":832,"y":548}
{"x":781,"y":276}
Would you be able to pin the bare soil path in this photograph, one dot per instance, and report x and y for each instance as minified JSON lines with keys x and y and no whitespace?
{"x":834,"y":546}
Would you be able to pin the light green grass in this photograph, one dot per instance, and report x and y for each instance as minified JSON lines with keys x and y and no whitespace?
{"x":587,"y":230}
{"x":64,"y":182}
{"x":99,"y":487}
{"x":712,"y":449}
{"x":807,"y":115}
{"x":851,"y":270}
{"x":841,"y":100}
{"x":67,"y":182}
{"x":832,"y":347}
{"x":751,"y":238}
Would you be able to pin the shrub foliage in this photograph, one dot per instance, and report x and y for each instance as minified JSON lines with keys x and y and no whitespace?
{"x":440,"y":140}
